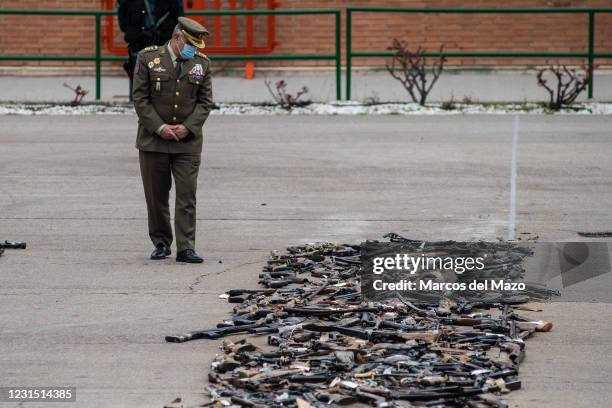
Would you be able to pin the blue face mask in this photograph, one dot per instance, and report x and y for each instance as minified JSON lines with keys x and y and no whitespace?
{"x":188,"y":51}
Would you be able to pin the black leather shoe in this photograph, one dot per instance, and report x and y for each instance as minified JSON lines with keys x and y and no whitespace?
{"x":189,"y":256}
{"x":161,"y":252}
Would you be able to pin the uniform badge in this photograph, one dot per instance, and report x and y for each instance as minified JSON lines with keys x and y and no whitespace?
{"x":197,"y":71}
{"x":159,"y":69}
{"x":151,"y":64}
{"x":156,"y":60}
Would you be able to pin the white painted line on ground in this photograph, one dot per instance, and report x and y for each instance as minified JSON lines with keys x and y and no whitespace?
{"x":512,"y":216}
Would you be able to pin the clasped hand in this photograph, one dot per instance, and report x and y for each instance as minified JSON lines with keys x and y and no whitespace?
{"x":174,"y":132}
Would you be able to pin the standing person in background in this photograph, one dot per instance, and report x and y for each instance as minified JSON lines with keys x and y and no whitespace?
{"x":145,"y":23}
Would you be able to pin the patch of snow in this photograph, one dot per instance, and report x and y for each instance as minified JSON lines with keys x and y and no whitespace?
{"x":332,"y":108}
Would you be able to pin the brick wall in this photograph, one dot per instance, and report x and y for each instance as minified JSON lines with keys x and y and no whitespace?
{"x":55,"y":35}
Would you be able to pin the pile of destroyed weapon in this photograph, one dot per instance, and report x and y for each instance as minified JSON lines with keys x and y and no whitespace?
{"x":328,"y":347}
{"x":11,"y":245}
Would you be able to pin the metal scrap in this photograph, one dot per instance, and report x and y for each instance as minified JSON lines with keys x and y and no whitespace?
{"x":326,"y":346}
{"x":11,"y":245}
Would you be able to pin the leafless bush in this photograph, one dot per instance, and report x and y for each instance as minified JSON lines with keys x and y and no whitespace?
{"x":449,"y":104}
{"x":79,"y":94}
{"x":373,"y":99}
{"x":467,"y":100}
{"x":567,"y":84}
{"x":285,"y":99}
{"x":416,"y":73}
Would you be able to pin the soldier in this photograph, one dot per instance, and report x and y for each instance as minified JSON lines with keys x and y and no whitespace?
{"x":173,"y":97}
{"x":145,"y":23}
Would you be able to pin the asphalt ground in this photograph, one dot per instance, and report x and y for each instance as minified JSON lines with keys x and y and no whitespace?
{"x":84,"y":306}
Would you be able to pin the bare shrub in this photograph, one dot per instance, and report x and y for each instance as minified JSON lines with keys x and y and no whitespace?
{"x":417,"y":74}
{"x":467,"y":100}
{"x":449,"y":104}
{"x":285,"y":99}
{"x":567,"y":84}
{"x":373,"y":99}
{"x":79,"y":94}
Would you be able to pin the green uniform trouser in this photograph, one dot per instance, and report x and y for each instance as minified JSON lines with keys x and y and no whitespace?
{"x":157,"y":170}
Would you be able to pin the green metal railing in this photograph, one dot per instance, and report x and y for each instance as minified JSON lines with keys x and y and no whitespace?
{"x":98,"y":58}
{"x":590,"y":55}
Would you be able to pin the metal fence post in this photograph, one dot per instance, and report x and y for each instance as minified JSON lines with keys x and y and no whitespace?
{"x":591,"y":67}
{"x":98,"y":59}
{"x":338,"y":58}
{"x":348,"y":53}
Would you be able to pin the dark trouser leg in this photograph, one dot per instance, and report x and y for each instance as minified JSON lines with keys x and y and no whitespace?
{"x":185,"y":168}
{"x":156,"y":179}
{"x":130,"y":64}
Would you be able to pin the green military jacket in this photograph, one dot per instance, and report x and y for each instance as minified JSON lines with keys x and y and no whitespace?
{"x":162,"y":97}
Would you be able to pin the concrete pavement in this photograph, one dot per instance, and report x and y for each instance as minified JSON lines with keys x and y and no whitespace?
{"x":84,"y":306}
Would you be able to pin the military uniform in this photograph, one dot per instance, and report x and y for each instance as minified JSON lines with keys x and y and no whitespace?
{"x":170,"y":91}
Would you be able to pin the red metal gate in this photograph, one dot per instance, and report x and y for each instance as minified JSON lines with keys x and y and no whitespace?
{"x":238,"y":39}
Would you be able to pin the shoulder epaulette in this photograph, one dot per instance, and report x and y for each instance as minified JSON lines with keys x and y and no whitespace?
{"x":201,"y":54}
{"x":151,"y":48}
